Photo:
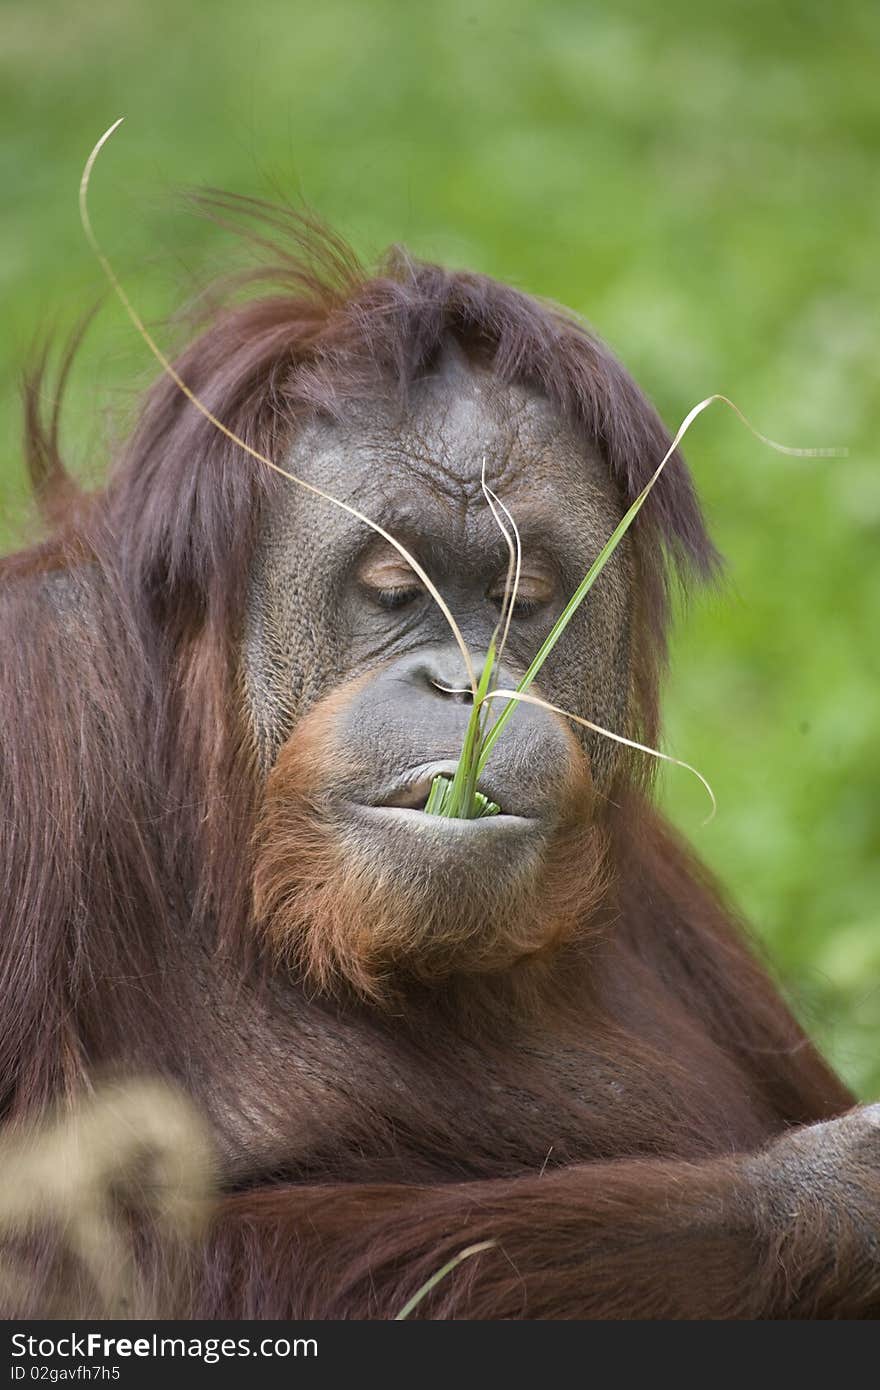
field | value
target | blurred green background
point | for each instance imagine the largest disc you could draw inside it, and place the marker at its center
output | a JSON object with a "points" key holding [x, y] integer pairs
{"points": [[701, 182]]}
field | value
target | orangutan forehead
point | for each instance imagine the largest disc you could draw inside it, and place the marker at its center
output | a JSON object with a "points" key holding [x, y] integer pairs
{"points": [[453, 422]]}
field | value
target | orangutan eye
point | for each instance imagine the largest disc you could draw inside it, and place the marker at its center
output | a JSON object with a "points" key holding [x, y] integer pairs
{"points": [[522, 607], [533, 593], [390, 599], [388, 583]]}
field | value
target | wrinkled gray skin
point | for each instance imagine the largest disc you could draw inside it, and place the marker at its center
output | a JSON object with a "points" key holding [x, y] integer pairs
{"points": [[311, 625]]}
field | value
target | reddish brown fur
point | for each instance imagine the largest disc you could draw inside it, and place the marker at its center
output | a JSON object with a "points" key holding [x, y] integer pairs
{"points": [[655, 1050]]}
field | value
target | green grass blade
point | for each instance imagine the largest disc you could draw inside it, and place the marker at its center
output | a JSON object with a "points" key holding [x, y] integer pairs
{"points": [[458, 799], [565, 618]]}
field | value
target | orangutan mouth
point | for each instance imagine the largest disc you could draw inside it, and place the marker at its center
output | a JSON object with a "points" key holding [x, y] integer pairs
{"points": [[410, 791], [402, 802]]}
